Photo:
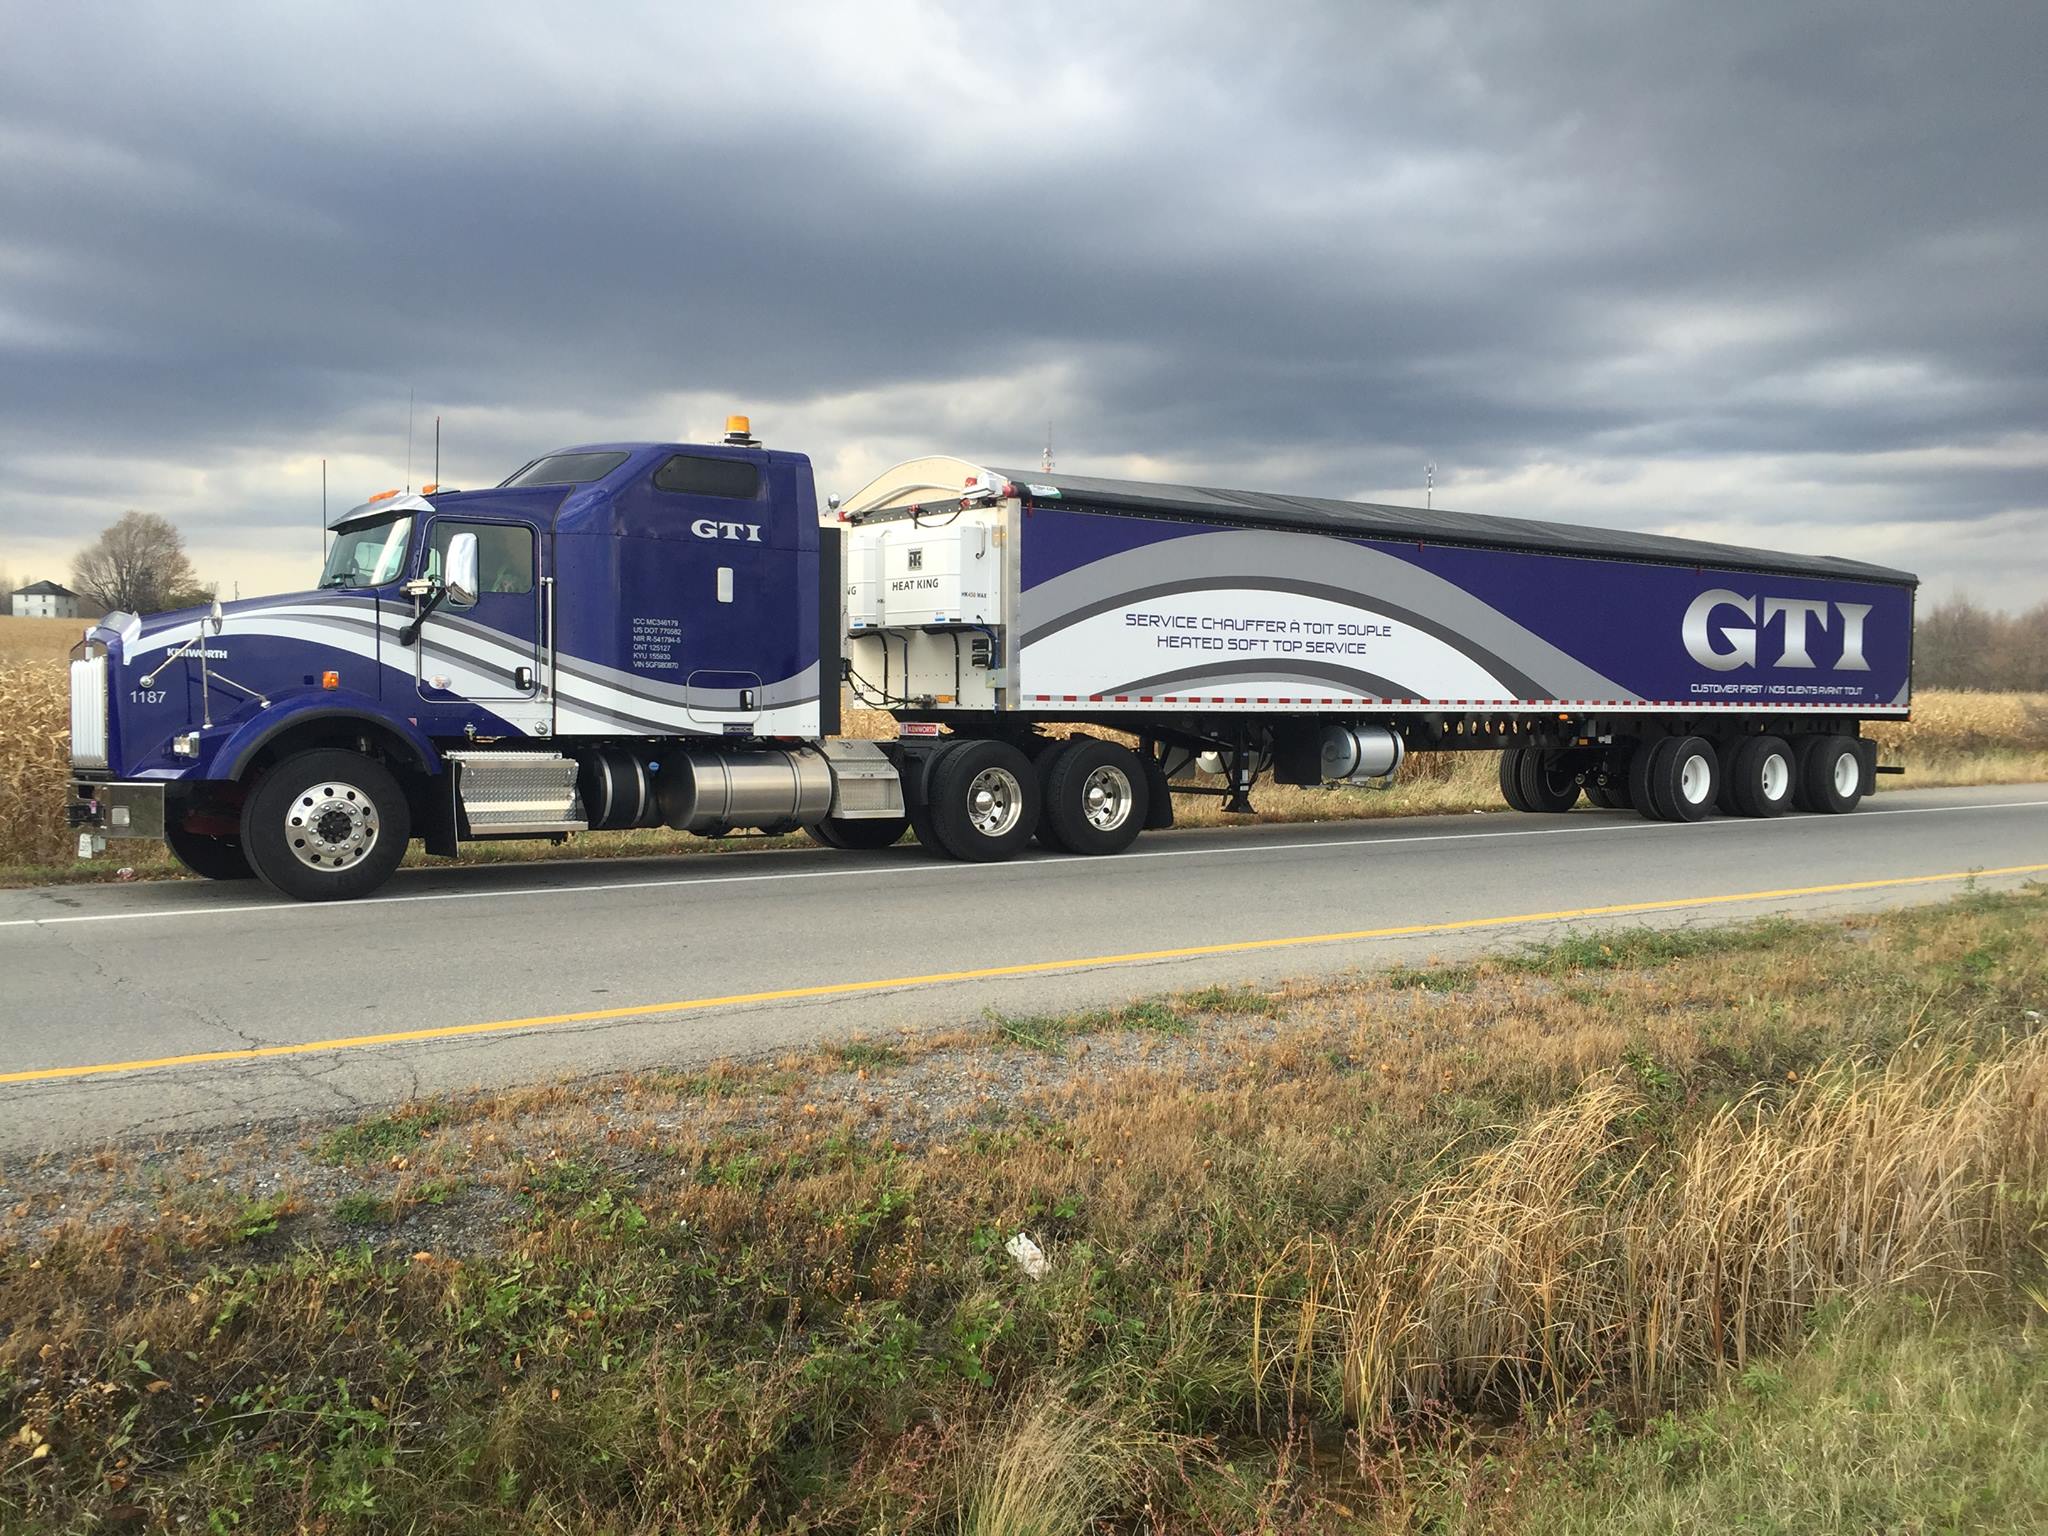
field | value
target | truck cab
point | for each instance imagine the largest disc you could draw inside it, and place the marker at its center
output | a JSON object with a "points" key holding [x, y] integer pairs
{"points": [[472, 664]]}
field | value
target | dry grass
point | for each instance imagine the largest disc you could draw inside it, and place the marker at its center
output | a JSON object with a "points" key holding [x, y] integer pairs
{"points": [[1954, 738], [1572, 1183], [1568, 1259]]}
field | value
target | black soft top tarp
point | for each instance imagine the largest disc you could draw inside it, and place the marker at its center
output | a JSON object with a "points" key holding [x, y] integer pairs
{"points": [[1361, 519]]}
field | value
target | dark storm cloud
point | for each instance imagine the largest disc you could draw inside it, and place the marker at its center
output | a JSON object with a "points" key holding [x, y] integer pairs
{"points": [[1318, 245]]}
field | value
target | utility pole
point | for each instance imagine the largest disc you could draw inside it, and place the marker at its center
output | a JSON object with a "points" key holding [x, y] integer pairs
{"points": [[1045, 460], [1429, 484]]}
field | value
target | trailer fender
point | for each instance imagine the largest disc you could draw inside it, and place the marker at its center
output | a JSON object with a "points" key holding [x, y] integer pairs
{"points": [[337, 712]]}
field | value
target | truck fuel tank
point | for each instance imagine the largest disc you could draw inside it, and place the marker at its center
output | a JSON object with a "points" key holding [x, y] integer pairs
{"points": [[709, 792]]}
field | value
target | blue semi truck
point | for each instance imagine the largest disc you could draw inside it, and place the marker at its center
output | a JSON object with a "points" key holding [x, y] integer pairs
{"points": [[654, 634]]}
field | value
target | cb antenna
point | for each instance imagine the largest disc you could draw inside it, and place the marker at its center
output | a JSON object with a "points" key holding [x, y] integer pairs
{"points": [[1429, 484], [1045, 461], [408, 439]]}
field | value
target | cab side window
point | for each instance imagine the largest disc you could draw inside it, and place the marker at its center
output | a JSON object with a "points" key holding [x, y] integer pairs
{"points": [[504, 555], [690, 474]]}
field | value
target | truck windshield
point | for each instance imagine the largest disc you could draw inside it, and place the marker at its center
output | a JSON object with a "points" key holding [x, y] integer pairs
{"points": [[368, 553]]}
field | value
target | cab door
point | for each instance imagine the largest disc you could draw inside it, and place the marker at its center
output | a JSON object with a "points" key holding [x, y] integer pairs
{"points": [[488, 651]]}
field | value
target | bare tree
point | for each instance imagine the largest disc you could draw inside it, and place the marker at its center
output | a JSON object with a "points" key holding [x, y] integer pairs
{"points": [[1959, 644], [139, 565]]}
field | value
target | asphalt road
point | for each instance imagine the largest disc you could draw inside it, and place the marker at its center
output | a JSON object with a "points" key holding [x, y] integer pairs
{"points": [[516, 974]]}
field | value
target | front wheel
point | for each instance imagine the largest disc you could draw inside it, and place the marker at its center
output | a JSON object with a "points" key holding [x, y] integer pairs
{"points": [[328, 825], [864, 834], [210, 858]]}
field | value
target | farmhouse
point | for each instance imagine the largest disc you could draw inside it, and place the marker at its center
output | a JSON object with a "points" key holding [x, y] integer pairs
{"points": [[43, 600]]}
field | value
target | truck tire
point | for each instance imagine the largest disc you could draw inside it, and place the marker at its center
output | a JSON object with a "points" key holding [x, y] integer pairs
{"points": [[1095, 797], [917, 789], [1640, 762], [863, 835], [1760, 781], [1835, 775], [1726, 750], [327, 825], [1607, 786], [210, 858], [1683, 775], [983, 803], [1548, 782], [1511, 778]]}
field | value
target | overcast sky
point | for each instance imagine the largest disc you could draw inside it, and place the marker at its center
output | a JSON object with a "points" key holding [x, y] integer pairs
{"points": [[1767, 272]]}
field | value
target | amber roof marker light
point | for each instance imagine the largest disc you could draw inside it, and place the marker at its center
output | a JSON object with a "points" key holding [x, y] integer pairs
{"points": [[739, 432]]}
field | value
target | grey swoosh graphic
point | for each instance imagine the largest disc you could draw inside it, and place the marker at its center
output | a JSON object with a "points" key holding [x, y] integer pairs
{"points": [[1351, 680], [1526, 686], [1362, 575]]}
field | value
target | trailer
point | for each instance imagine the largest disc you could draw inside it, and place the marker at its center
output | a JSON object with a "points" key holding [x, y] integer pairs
{"points": [[640, 634]]}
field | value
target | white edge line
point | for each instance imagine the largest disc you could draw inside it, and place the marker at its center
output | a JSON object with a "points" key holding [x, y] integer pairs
{"points": [[869, 871]]}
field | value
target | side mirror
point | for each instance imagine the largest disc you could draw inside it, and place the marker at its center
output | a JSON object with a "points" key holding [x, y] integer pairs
{"points": [[459, 574], [215, 617]]}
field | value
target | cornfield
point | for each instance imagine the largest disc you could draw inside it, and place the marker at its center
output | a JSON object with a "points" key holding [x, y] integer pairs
{"points": [[35, 761], [1954, 737]]}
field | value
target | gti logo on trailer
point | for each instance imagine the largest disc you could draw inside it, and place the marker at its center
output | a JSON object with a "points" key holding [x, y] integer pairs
{"points": [[1798, 613], [746, 533]]}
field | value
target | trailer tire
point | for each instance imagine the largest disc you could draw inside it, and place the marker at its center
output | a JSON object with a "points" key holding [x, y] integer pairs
{"points": [[984, 801], [1835, 775], [1511, 778], [1726, 750], [1548, 783], [327, 825], [1607, 787], [1640, 762], [1761, 779], [1683, 776], [210, 858], [864, 835], [1095, 797]]}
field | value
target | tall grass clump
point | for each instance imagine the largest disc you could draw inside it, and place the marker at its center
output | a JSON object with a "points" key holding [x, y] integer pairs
{"points": [[1574, 1259]]}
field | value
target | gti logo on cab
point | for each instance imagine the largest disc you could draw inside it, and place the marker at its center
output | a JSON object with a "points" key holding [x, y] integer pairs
{"points": [[1797, 613], [707, 528]]}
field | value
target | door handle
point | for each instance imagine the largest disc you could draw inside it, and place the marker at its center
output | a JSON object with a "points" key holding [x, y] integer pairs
{"points": [[523, 677]]}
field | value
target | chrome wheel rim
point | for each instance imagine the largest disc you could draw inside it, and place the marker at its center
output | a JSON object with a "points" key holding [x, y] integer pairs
{"points": [[1848, 773], [1777, 776], [1696, 779], [1106, 798], [995, 800], [331, 826]]}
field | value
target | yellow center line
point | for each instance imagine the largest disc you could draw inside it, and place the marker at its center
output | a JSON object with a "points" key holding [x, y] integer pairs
{"points": [[992, 972]]}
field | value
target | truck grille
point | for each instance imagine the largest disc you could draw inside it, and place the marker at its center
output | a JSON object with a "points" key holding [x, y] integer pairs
{"points": [[89, 712]]}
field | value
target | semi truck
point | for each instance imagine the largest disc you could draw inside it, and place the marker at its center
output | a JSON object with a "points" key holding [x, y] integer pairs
{"points": [[628, 635]]}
